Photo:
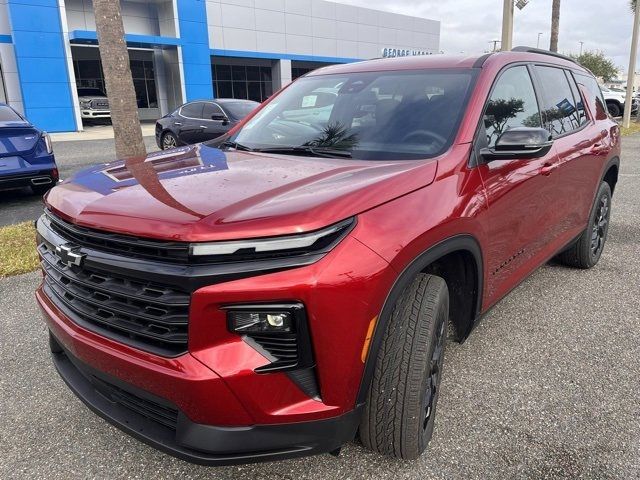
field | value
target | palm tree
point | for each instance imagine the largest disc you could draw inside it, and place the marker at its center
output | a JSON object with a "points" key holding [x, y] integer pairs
{"points": [[555, 25], [118, 80]]}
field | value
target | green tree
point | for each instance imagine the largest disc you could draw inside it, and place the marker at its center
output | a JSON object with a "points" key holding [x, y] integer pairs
{"points": [[598, 63]]}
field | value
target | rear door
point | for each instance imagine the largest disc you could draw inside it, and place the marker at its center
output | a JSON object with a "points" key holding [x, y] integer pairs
{"points": [[519, 192], [189, 121], [580, 142]]}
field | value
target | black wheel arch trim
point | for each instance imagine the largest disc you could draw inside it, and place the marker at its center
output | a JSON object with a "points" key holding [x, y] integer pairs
{"points": [[462, 242], [612, 162]]}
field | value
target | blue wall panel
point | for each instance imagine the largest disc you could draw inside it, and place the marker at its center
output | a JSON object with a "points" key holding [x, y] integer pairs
{"points": [[196, 56], [42, 64]]}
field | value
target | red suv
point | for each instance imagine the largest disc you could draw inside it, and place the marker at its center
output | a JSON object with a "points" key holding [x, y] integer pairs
{"points": [[292, 286]]}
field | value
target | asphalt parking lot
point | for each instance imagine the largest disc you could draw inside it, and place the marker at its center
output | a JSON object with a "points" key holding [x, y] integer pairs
{"points": [[548, 386]]}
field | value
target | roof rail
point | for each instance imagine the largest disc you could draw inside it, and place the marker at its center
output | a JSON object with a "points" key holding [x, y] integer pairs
{"points": [[544, 52]]}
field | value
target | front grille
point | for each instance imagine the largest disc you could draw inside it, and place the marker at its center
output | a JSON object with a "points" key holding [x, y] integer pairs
{"points": [[149, 409], [173, 252], [100, 104], [142, 314]]}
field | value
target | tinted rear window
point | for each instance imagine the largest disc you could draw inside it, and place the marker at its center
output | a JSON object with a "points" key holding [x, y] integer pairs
{"points": [[192, 110], [7, 114]]}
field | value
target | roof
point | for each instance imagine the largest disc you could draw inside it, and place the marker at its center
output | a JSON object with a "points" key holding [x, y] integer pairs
{"points": [[450, 61]]}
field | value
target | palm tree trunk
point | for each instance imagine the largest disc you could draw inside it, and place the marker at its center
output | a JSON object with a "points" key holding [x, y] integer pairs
{"points": [[555, 25], [118, 80]]}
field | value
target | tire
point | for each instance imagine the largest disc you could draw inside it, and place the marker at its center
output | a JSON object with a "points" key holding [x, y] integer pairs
{"points": [[168, 140], [586, 252], [399, 413], [614, 109]]}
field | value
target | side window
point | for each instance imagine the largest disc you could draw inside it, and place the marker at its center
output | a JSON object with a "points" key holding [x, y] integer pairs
{"points": [[559, 112], [192, 110], [580, 109], [596, 101], [211, 109], [512, 104]]}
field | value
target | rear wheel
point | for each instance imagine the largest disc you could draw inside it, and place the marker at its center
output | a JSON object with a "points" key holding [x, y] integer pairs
{"points": [[399, 415], [168, 141], [586, 252]]}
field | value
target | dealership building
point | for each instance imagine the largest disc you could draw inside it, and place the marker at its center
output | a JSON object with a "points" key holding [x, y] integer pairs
{"points": [[183, 50]]}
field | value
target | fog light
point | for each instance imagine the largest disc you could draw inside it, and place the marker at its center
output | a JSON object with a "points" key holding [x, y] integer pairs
{"points": [[259, 322]]}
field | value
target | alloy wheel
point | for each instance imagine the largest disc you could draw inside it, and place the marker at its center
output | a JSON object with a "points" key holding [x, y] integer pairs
{"points": [[599, 227]]}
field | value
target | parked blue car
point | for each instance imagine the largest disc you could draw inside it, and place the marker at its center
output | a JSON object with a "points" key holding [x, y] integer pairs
{"points": [[26, 154]]}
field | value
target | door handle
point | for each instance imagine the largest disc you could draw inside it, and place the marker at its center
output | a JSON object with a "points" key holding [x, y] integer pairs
{"points": [[177, 123], [547, 168], [599, 149], [203, 126]]}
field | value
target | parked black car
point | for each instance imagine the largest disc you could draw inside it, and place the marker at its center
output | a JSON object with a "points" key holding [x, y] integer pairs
{"points": [[200, 121]]}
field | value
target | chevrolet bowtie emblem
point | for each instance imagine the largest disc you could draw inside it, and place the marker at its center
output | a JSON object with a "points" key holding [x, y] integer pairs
{"points": [[69, 255]]}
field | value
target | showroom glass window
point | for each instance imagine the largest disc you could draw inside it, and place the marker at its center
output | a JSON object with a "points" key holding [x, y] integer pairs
{"points": [[89, 74], [560, 113], [242, 81], [144, 83], [512, 104]]}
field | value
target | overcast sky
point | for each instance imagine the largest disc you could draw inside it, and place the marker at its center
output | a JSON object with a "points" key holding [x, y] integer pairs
{"points": [[468, 25]]}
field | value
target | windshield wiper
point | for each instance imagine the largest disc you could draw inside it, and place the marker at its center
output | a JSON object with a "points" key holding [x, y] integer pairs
{"points": [[236, 146], [307, 150]]}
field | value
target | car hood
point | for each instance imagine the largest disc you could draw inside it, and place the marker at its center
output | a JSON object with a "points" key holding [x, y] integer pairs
{"points": [[199, 193]]}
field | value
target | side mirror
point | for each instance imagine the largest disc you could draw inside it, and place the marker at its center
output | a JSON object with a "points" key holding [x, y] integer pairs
{"points": [[519, 143], [220, 117]]}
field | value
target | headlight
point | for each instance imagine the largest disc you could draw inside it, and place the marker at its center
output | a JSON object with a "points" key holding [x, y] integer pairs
{"points": [[47, 142], [85, 103], [312, 242]]}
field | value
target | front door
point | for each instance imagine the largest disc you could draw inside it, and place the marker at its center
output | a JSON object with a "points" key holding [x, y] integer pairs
{"points": [[212, 128], [520, 193]]}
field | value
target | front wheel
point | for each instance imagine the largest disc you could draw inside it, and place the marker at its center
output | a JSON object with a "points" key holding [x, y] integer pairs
{"points": [[586, 252], [399, 414], [168, 141]]}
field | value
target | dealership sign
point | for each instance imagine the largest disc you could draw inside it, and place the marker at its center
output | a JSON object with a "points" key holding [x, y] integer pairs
{"points": [[402, 52]]}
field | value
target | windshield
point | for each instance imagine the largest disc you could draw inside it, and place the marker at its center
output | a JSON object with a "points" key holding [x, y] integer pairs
{"points": [[239, 110], [90, 92], [372, 115]]}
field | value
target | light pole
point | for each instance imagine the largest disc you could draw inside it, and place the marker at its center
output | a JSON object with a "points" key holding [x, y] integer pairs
{"points": [[538, 42], [495, 45], [507, 25], [507, 22], [626, 119], [581, 44]]}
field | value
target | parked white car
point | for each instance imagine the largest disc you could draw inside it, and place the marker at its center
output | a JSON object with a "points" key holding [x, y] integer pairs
{"points": [[615, 99]]}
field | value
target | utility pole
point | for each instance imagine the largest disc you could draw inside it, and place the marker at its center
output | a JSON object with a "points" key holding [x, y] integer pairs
{"points": [[118, 80], [495, 45], [538, 42], [581, 44], [555, 25], [507, 25], [626, 119]]}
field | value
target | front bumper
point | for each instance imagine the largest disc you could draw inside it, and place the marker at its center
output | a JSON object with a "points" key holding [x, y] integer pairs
{"points": [[158, 423], [89, 114]]}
